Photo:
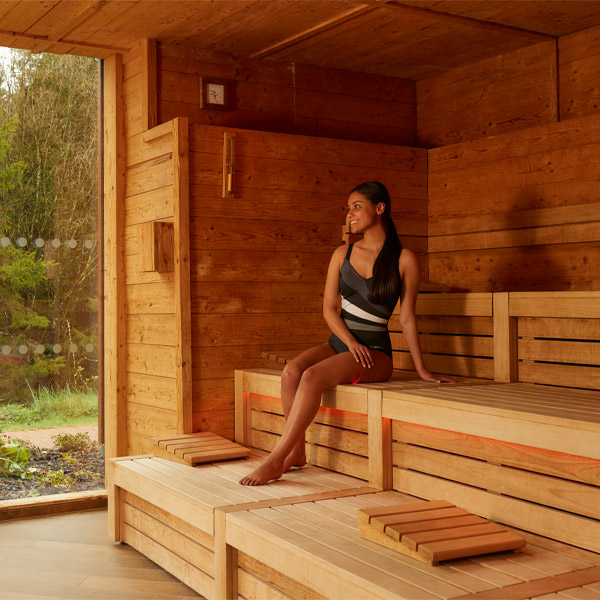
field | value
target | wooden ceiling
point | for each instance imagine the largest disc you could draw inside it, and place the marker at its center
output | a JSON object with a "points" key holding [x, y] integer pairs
{"points": [[409, 39]]}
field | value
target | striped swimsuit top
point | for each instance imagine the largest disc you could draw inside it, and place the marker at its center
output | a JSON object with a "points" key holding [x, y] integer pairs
{"points": [[367, 322]]}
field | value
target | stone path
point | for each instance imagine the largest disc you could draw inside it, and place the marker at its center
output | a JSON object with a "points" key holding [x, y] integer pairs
{"points": [[43, 437]]}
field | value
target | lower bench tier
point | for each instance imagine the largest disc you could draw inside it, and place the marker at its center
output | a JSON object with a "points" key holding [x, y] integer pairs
{"points": [[299, 538]]}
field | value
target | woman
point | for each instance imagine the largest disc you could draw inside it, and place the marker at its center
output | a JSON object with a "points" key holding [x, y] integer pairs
{"points": [[370, 275]]}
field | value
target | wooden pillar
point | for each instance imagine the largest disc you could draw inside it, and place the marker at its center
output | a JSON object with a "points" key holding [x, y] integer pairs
{"points": [[505, 339], [149, 90], [114, 260], [380, 443], [183, 308]]}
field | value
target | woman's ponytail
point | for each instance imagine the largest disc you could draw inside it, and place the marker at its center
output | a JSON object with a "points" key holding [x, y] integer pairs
{"points": [[385, 285]]}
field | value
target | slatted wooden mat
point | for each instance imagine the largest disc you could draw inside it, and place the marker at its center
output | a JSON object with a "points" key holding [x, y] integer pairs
{"points": [[434, 531], [197, 448]]}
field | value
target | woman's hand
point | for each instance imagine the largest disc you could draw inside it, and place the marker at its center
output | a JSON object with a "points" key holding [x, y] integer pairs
{"points": [[362, 354], [427, 376]]}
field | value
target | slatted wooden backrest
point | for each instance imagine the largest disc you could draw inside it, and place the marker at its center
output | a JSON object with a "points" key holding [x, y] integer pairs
{"points": [[456, 334], [557, 337]]}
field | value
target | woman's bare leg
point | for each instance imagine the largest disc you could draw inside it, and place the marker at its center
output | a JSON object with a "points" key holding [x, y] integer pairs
{"points": [[290, 380], [340, 368]]}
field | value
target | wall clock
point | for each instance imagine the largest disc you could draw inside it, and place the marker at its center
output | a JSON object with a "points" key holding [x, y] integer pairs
{"points": [[215, 93]]}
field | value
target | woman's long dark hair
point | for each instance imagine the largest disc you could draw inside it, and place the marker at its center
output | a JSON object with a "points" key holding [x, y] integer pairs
{"points": [[385, 286]]}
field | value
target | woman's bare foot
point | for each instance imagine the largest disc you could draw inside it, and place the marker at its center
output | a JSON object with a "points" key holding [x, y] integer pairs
{"points": [[296, 458], [265, 473]]}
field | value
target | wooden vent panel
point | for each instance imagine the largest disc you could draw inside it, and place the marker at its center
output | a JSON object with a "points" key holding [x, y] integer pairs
{"points": [[434, 531]]}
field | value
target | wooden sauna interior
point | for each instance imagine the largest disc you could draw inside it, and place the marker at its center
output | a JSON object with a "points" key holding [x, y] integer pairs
{"points": [[492, 167], [482, 118]]}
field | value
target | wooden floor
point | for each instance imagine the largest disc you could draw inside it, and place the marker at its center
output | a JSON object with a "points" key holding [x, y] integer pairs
{"points": [[69, 557]]}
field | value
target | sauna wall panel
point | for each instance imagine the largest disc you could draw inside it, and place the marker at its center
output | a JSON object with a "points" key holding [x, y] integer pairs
{"points": [[286, 97], [518, 211], [151, 346], [259, 260], [503, 94], [579, 69]]}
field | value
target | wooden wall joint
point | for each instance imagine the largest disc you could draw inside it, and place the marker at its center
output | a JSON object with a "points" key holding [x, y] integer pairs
{"points": [[183, 300]]}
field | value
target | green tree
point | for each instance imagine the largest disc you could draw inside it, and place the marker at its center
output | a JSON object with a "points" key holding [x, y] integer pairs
{"points": [[48, 202]]}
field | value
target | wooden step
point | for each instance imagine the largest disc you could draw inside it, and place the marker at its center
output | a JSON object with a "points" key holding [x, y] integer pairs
{"points": [[197, 448], [433, 531]]}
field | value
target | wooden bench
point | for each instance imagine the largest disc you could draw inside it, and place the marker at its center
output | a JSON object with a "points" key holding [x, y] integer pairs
{"points": [[174, 513], [526, 455], [313, 550], [515, 452], [347, 433]]}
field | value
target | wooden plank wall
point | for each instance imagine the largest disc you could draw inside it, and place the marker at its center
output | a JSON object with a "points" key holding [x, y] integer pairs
{"points": [[519, 210], [259, 260], [502, 94], [156, 189], [579, 71], [532, 86], [286, 97]]}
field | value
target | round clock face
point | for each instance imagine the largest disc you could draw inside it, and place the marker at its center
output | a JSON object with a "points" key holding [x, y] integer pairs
{"points": [[215, 93]]}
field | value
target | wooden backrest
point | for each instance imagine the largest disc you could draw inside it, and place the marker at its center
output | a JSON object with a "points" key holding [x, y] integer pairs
{"points": [[456, 334], [556, 337]]}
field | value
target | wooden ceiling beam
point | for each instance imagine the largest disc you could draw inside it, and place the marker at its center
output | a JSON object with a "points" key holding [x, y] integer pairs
{"points": [[355, 12], [470, 21], [30, 39]]}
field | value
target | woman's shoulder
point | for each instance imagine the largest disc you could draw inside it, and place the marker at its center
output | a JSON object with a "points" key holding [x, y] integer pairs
{"points": [[407, 260], [340, 252]]}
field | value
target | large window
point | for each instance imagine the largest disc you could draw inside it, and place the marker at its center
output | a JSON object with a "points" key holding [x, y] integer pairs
{"points": [[48, 251]]}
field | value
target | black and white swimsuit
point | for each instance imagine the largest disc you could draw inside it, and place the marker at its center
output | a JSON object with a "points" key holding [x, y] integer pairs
{"points": [[367, 322]]}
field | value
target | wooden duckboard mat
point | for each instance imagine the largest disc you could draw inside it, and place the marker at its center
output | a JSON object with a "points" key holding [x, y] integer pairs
{"points": [[434, 531], [198, 448]]}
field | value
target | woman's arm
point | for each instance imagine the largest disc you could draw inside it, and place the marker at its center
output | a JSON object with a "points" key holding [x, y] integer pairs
{"points": [[408, 265], [331, 296]]}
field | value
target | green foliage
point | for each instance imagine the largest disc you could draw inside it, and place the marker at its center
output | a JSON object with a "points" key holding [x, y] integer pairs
{"points": [[72, 442], [14, 458], [48, 190], [55, 479], [50, 408], [12, 173], [21, 271]]}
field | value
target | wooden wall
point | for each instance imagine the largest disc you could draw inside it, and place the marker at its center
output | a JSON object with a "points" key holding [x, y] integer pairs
{"points": [[532, 86], [508, 202], [499, 95], [289, 98], [259, 260], [579, 70], [155, 384], [513, 170], [518, 212]]}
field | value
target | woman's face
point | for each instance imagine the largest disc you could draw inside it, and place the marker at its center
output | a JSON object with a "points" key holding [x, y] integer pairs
{"points": [[362, 214]]}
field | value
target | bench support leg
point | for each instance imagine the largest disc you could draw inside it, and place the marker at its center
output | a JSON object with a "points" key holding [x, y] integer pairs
{"points": [[226, 564], [115, 505], [380, 443]]}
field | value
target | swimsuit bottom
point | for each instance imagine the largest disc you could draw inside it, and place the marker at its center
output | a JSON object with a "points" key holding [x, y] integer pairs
{"points": [[373, 340]]}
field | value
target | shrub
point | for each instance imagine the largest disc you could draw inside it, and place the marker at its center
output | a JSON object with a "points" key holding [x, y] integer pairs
{"points": [[14, 458], [72, 442]]}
